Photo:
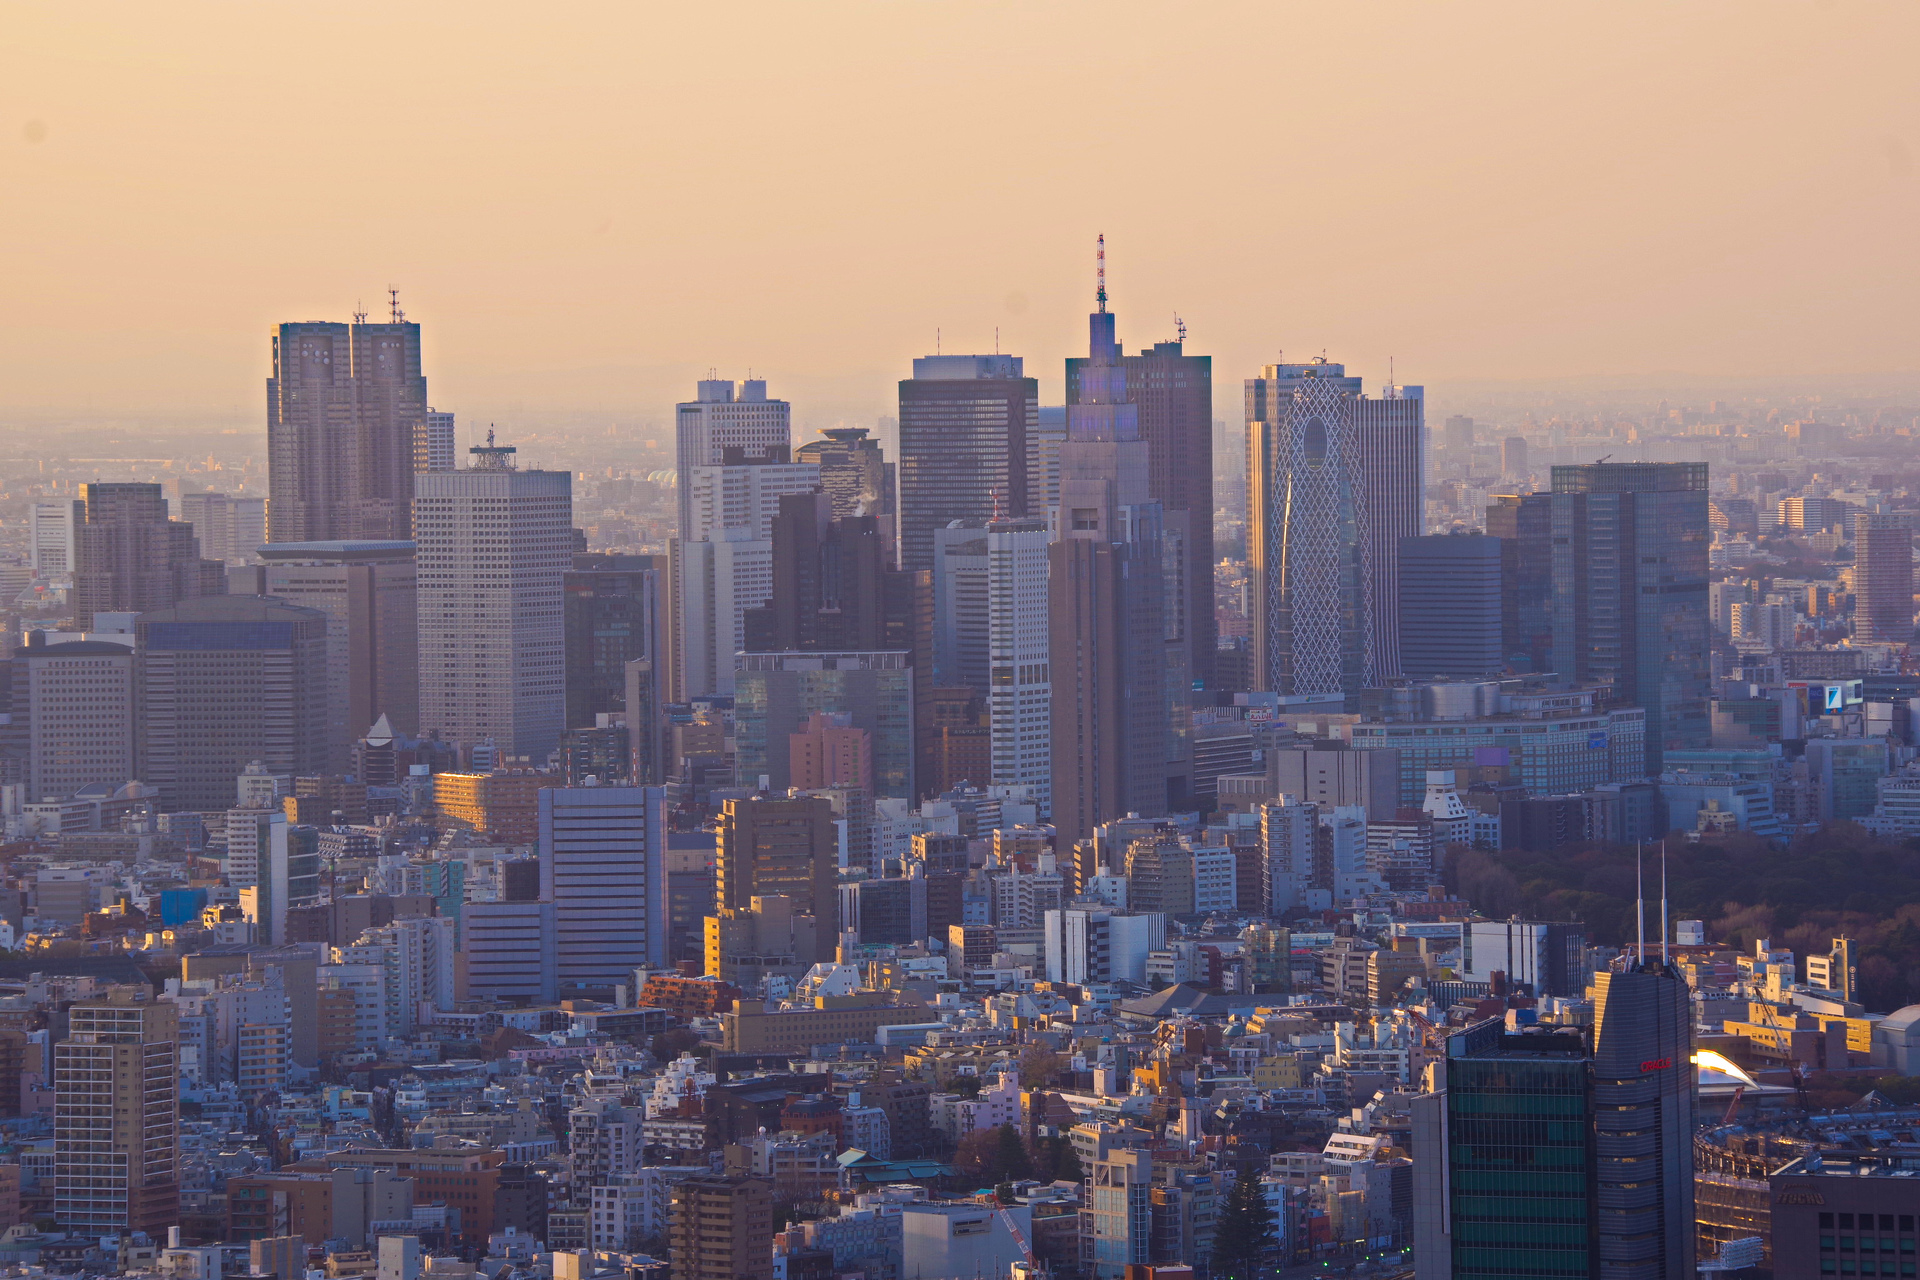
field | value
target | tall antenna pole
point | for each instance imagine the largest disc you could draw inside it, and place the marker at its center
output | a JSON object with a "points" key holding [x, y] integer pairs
{"points": [[1639, 905], [1100, 272], [1664, 956]]}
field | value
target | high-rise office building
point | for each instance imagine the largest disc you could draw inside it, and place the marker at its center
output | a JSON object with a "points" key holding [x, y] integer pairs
{"points": [[775, 694], [493, 547], [1115, 677], [223, 681], [718, 419], [1883, 579], [830, 588], [722, 1228], [369, 594], [346, 420], [603, 867], [1019, 659], [787, 847], [1504, 1149], [50, 528], [1513, 456], [436, 450], [1644, 1107], [856, 478], [612, 619], [73, 713], [1450, 606], [1172, 394], [1521, 523], [1334, 482], [116, 1122], [230, 527], [959, 579], [964, 422], [722, 564], [129, 557], [1625, 544]]}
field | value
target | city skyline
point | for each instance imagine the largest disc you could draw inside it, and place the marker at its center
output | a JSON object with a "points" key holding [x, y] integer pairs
{"points": [[1526, 230]]}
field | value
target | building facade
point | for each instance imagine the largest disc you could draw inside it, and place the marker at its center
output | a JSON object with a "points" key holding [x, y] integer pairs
{"points": [[346, 413], [128, 557], [116, 1136], [73, 711], [964, 423], [493, 547]]}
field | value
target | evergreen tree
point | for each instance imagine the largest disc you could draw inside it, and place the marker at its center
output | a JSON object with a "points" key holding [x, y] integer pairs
{"points": [[1011, 1163], [1244, 1233]]}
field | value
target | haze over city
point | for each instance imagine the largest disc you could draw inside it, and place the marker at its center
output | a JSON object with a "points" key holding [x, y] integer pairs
{"points": [[593, 205]]}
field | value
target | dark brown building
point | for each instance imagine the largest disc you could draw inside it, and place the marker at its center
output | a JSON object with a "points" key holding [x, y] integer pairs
{"points": [[722, 1228], [787, 847], [130, 558]]}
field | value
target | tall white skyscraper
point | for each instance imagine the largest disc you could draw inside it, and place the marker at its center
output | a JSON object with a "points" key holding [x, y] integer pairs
{"points": [[1020, 689], [50, 537], [1334, 482], [716, 420], [724, 565], [493, 546], [434, 451]]}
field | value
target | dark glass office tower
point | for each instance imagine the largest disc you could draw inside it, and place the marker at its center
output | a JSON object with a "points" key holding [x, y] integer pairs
{"points": [[1523, 522], [832, 588], [346, 412], [1172, 392], [1643, 1123], [1450, 606], [964, 422], [612, 607], [1504, 1159], [1626, 543], [855, 476], [130, 558]]}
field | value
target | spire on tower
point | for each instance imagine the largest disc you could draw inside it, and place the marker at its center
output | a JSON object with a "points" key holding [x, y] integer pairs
{"points": [[1100, 272]]}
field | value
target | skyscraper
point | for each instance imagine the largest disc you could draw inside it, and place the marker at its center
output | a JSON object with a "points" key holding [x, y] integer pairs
{"points": [[116, 1124], [1504, 1149], [721, 565], [786, 847], [50, 528], [369, 594], [964, 422], [436, 451], [346, 419], [1644, 1108], [129, 557], [603, 867], [959, 580], [1625, 545], [856, 478], [1114, 675], [1172, 394], [73, 711], [1883, 579], [1523, 524], [716, 420], [224, 681], [1019, 659], [775, 694], [1450, 606], [494, 544], [1334, 482], [831, 588], [612, 618]]}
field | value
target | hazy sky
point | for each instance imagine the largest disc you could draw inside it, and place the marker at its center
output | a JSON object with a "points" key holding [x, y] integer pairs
{"points": [[586, 205]]}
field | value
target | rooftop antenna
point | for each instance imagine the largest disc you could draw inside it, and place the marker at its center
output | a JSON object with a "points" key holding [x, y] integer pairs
{"points": [[489, 435], [1179, 328], [1639, 905], [996, 339], [1100, 272], [936, 340], [393, 305], [1665, 958], [359, 312]]}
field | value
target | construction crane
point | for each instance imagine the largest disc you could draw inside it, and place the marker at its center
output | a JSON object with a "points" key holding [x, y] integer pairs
{"points": [[1019, 1237]]}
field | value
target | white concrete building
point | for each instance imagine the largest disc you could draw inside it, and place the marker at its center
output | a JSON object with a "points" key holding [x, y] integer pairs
{"points": [[50, 538], [492, 546], [74, 702], [718, 418], [1020, 688]]}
